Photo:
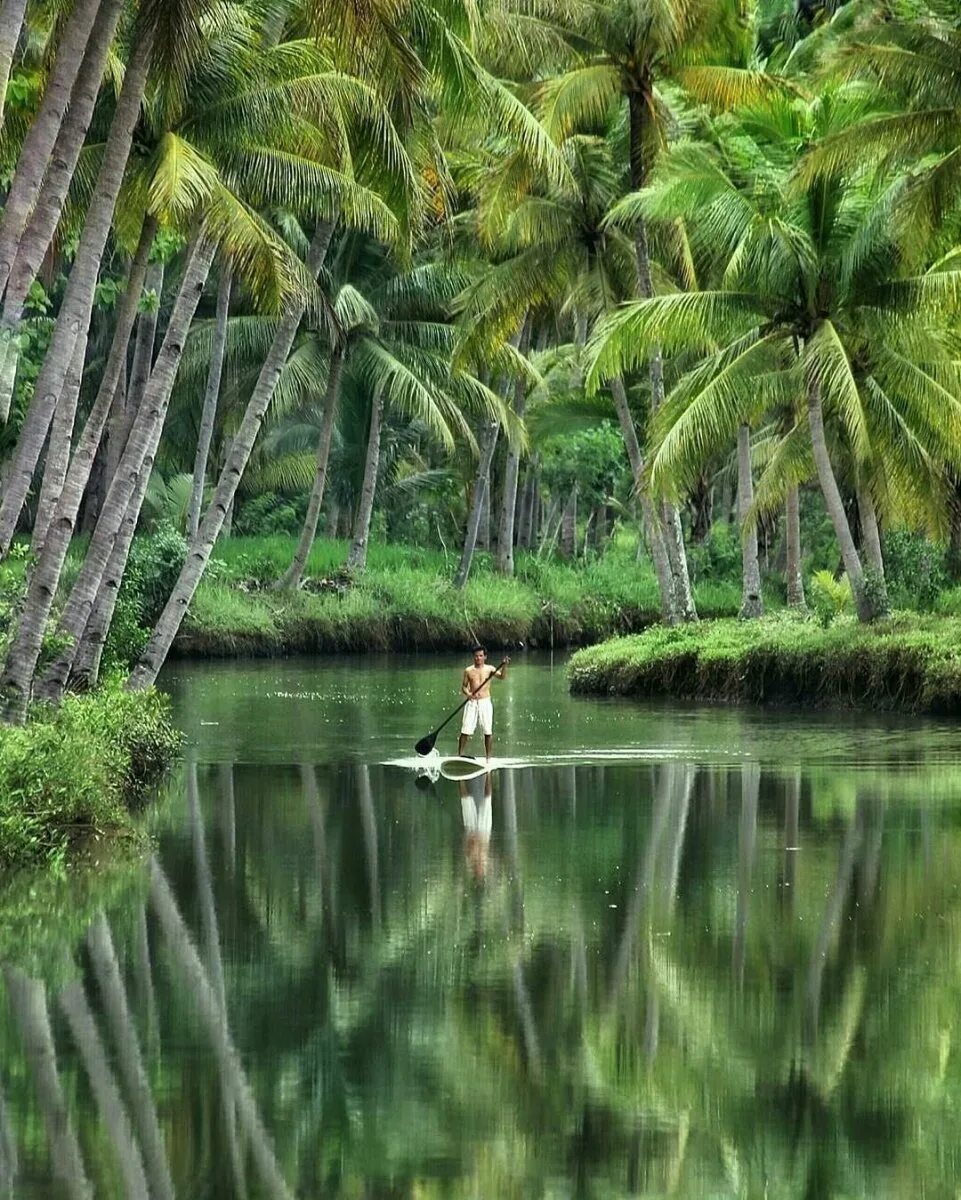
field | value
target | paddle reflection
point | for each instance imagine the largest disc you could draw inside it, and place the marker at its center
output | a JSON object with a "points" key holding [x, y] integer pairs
{"points": [[575, 981]]}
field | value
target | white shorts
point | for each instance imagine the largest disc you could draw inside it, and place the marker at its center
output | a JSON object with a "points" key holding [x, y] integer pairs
{"points": [[478, 711]]}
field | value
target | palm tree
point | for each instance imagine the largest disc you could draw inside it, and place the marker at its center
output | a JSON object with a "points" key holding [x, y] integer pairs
{"points": [[211, 395], [818, 308]]}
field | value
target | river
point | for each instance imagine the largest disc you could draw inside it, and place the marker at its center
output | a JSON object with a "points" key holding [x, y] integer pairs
{"points": [[681, 950]]}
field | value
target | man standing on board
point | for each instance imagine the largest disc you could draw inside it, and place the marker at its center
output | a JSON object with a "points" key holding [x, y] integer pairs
{"points": [[479, 709]]}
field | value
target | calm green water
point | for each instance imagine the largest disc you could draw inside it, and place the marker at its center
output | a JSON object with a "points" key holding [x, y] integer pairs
{"points": [[688, 951]]}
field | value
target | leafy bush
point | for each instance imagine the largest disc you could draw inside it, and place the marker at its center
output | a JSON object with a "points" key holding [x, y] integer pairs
{"points": [[718, 557], [154, 564], [76, 769], [915, 570], [270, 514], [830, 597]]}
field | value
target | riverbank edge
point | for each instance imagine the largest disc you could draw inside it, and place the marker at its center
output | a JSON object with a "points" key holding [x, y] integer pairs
{"points": [[907, 664], [81, 771]]}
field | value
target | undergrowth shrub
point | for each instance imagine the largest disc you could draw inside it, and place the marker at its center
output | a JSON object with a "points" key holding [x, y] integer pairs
{"points": [[76, 769], [830, 598]]}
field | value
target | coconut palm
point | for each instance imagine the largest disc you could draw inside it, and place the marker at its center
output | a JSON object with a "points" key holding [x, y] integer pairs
{"points": [[818, 306]]}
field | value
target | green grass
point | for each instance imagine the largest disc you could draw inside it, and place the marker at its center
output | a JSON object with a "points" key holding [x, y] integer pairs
{"points": [[908, 663], [405, 600], [75, 771]]}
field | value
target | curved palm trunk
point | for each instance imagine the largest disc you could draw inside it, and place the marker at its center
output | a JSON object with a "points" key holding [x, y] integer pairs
{"points": [[44, 579], [136, 461], [357, 558], [28, 1002], [835, 506], [143, 356], [504, 559], [795, 583], [75, 1007], [294, 574], [85, 670], [481, 485], [653, 533], [870, 532], [236, 1086], [751, 603], [59, 446], [34, 158], [208, 416], [239, 455], [130, 1058], [73, 321], [684, 608], [43, 222], [11, 24]]}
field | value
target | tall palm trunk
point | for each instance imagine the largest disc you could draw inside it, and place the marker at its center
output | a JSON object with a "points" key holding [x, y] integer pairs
{"points": [[43, 222], [11, 24], [110, 448], [28, 1002], [59, 445], [76, 1008], [235, 1082], [870, 533], [294, 574], [866, 608], [792, 523], [569, 526], [683, 606], [241, 447], [130, 1058], [208, 416], [73, 321], [44, 579], [137, 459], [34, 158], [357, 558], [751, 603], [481, 485], [653, 534], [504, 559]]}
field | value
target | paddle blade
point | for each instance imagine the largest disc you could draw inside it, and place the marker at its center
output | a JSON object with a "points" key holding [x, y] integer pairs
{"points": [[426, 744]]}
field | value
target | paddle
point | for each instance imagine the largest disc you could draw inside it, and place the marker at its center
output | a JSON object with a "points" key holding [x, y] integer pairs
{"points": [[427, 743]]}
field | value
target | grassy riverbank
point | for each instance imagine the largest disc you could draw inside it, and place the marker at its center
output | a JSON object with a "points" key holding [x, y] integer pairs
{"points": [[77, 772], [405, 601], [910, 663]]}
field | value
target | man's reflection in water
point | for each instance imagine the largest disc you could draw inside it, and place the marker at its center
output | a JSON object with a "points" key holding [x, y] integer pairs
{"points": [[477, 813]]}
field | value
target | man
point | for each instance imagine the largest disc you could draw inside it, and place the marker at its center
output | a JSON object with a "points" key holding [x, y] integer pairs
{"points": [[479, 708]]}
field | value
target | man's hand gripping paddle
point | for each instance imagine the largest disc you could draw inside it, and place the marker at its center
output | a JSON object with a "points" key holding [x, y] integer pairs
{"points": [[427, 743]]}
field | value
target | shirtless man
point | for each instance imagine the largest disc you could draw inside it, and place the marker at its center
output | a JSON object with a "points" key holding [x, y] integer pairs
{"points": [[479, 709]]}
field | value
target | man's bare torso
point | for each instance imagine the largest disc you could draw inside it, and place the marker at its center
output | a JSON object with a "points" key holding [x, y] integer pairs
{"points": [[475, 676]]}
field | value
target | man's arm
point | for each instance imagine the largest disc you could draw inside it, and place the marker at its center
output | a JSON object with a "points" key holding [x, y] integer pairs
{"points": [[465, 685], [501, 671]]}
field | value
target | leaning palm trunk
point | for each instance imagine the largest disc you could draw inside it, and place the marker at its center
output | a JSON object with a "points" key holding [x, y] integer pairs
{"points": [[34, 159], [85, 669], [73, 321], [214, 1019], [209, 414], [870, 533], [866, 608], [357, 557], [504, 559], [481, 486], [83, 1027], [45, 577], [42, 224], [220, 505], [130, 1058], [59, 446], [751, 603], [653, 534], [792, 570], [28, 1002], [293, 576], [137, 460], [11, 23]]}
